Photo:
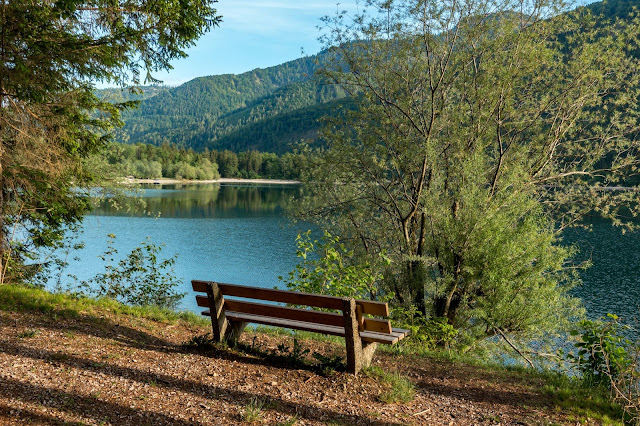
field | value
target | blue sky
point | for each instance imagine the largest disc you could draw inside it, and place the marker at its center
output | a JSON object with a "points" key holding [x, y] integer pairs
{"points": [[257, 34], [254, 34]]}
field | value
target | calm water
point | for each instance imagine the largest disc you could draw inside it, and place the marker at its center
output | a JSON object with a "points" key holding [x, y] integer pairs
{"points": [[612, 284], [236, 234], [240, 234]]}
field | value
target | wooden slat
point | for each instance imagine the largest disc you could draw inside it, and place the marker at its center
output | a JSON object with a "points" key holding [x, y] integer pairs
{"points": [[400, 332], [370, 324], [377, 325], [294, 298], [279, 322], [305, 315], [202, 301], [366, 336], [373, 337]]}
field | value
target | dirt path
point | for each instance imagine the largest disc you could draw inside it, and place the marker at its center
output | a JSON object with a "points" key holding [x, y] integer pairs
{"points": [[123, 370]]}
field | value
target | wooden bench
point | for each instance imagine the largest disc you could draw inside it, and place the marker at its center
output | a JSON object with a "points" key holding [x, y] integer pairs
{"points": [[362, 334]]}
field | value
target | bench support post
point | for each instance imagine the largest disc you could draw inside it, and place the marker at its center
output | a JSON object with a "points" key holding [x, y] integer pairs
{"points": [[219, 322], [234, 330], [359, 354]]}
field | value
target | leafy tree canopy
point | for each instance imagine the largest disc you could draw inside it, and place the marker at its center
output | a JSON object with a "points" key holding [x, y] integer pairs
{"points": [[482, 129], [51, 55]]}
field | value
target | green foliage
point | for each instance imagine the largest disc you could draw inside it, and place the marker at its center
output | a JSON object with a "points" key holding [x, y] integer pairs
{"points": [[50, 118], [264, 109], [428, 333], [146, 161], [253, 410], [480, 131], [296, 354], [327, 268], [201, 342], [21, 298], [329, 364], [141, 278], [27, 334], [602, 350]]}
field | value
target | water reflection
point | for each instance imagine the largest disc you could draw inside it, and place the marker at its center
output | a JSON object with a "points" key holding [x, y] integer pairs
{"points": [[234, 233], [208, 201]]}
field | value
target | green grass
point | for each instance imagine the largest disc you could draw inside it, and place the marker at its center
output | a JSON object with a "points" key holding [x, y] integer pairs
{"points": [[253, 411], [400, 389], [25, 299], [28, 334], [582, 401]]}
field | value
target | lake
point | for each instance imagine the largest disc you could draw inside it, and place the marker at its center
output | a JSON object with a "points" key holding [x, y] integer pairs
{"points": [[240, 234], [227, 233]]}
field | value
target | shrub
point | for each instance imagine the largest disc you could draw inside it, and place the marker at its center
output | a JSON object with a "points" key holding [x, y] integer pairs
{"points": [[327, 267], [141, 278], [602, 350]]}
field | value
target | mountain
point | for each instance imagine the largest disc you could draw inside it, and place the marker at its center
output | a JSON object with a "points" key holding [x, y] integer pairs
{"points": [[267, 110], [264, 109]]}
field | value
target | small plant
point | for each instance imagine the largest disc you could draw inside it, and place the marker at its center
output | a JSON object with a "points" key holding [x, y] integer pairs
{"points": [[602, 350], [295, 355], [292, 421], [253, 410], [141, 278], [204, 342], [329, 364], [400, 389], [27, 334]]}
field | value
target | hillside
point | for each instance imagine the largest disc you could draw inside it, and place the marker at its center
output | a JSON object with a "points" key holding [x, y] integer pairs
{"points": [[67, 361], [267, 110], [281, 104]]}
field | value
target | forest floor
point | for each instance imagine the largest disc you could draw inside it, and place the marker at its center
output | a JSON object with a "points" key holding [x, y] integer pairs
{"points": [[101, 367]]}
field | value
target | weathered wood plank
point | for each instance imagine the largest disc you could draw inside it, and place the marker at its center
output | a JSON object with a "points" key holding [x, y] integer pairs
{"points": [[366, 336], [306, 315], [370, 324], [294, 298]]}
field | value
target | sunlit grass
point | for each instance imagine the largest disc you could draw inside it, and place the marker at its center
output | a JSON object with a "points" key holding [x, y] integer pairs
{"points": [[24, 299]]}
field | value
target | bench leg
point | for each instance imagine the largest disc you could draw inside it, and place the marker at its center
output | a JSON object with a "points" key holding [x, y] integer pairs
{"points": [[358, 355], [367, 353], [234, 330], [219, 322]]}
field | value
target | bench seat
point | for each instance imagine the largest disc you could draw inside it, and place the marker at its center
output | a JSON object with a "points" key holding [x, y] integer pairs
{"points": [[396, 335]]}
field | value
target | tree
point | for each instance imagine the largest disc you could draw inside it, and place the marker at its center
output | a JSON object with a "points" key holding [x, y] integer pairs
{"points": [[51, 56], [482, 129]]}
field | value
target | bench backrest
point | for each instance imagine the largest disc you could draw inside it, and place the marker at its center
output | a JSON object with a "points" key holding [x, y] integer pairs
{"points": [[296, 298]]}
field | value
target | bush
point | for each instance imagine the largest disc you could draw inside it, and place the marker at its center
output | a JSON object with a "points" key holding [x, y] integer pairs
{"points": [[606, 357], [141, 278], [327, 267], [602, 350], [430, 333]]}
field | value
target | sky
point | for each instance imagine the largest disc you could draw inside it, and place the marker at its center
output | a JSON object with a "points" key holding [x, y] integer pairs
{"points": [[254, 34], [257, 34]]}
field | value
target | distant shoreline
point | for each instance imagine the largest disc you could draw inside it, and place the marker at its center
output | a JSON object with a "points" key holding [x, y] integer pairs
{"points": [[168, 181]]}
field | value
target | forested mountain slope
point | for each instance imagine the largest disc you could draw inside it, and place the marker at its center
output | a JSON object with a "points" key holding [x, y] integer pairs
{"points": [[212, 112], [267, 109]]}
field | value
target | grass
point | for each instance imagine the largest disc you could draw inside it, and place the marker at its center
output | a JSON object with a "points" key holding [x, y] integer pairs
{"points": [[24, 299], [28, 334], [400, 389], [253, 411], [583, 401]]}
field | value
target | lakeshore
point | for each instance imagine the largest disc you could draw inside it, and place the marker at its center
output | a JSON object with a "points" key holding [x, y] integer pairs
{"points": [[168, 181]]}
